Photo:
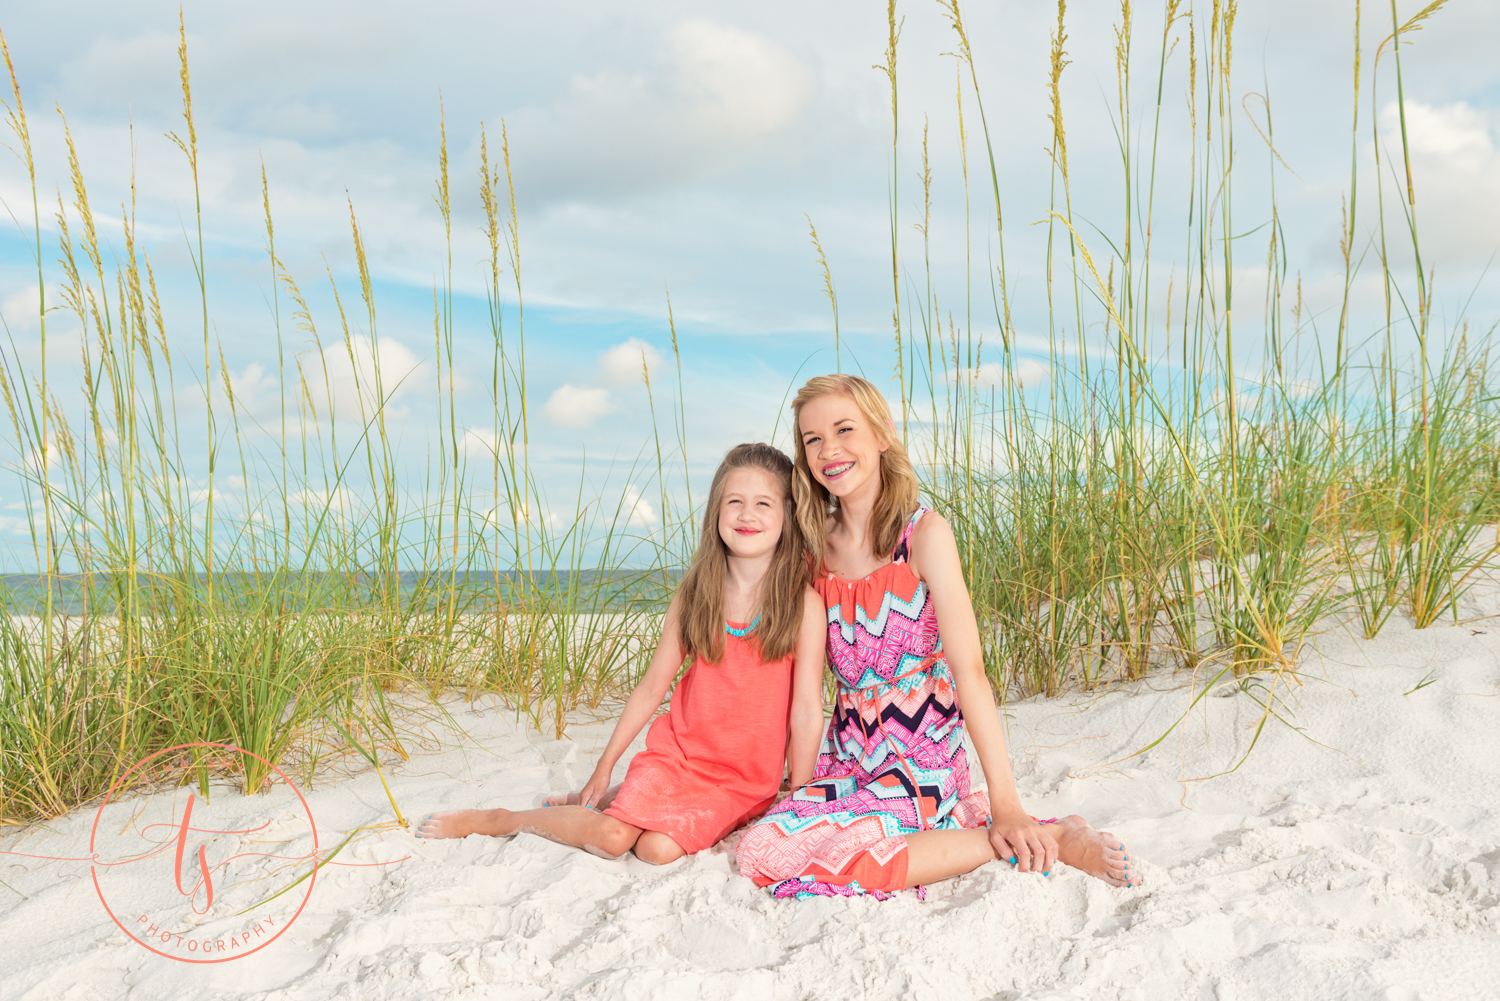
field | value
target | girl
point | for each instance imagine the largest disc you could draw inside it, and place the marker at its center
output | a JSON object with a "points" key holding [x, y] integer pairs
{"points": [[889, 806], [754, 630]]}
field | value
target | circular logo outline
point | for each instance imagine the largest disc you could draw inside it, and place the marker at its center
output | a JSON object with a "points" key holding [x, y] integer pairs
{"points": [[94, 868]]}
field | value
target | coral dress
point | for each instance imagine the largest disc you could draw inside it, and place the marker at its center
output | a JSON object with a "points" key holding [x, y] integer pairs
{"points": [[893, 760], [716, 757]]}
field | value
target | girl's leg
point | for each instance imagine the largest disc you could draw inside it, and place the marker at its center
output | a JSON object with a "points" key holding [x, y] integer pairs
{"points": [[657, 848], [935, 855], [596, 833]]}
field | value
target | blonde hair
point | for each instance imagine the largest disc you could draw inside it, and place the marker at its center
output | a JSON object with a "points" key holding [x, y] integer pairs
{"points": [[899, 489], [701, 594]]}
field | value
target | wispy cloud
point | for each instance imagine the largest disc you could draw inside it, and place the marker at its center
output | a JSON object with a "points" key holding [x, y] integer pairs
{"points": [[710, 93], [992, 375], [349, 380]]}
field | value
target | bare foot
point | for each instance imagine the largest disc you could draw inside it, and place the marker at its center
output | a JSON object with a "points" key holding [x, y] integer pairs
{"points": [[462, 823], [1097, 853]]}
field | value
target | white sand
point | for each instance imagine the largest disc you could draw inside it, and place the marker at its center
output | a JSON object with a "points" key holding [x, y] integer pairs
{"points": [[1357, 856]]}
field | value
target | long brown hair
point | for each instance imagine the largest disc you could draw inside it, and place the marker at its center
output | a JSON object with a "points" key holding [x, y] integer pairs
{"points": [[899, 489], [701, 594]]}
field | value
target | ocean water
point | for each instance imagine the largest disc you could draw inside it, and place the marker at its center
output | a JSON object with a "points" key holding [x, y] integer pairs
{"points": [[588, 590]]}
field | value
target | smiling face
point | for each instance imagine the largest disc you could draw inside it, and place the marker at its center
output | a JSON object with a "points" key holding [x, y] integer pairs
{"points": [[841, 446], [752, 512]]}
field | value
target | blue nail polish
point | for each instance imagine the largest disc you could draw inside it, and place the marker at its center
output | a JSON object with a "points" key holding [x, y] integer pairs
{"points": [[1047, 873]]}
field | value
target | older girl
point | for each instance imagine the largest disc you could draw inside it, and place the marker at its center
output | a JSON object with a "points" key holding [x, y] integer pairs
{"points": [[889, 806], [750, 702]]}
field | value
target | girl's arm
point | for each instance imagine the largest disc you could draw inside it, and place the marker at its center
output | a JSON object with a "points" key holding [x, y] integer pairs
{"points": [[807, 691], [639, 708], [1012, 831]]}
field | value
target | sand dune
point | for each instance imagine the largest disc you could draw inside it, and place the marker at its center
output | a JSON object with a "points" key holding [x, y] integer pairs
{"points": [[1356, 854]]}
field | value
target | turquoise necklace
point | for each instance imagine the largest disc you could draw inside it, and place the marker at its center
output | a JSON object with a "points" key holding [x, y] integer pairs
{"points": [[742, 632]]}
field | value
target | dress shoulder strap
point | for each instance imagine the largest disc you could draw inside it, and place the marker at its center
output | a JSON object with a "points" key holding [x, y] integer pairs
{"points": [[903, 547]]}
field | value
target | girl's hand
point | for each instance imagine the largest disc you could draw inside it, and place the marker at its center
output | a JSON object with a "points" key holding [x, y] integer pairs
{"points": [[1017, 838], [598, 784]]}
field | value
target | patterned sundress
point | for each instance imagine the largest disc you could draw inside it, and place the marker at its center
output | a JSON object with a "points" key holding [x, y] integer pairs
{"points": [[892, 761]]}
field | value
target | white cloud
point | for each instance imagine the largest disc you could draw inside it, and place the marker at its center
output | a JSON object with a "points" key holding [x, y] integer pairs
{"points": [[35, 463], [641, 514], [738, 80], [1246, 401], [1028, 372], [339, 499], [359, 375], [1456, 172], [480, 443], [1456, 132], [713, 93], [257, 391], [19, 309], [1304, 389], [572, 406], [622, 363]]}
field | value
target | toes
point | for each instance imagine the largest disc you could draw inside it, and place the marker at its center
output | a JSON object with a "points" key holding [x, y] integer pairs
{"points": [[431, 826]]}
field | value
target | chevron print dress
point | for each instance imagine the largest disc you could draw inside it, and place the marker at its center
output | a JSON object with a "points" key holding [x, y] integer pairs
{"points": [[892, 761]]}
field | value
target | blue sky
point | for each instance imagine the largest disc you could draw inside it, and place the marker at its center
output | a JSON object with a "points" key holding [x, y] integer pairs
{"points": [[673, 145]]}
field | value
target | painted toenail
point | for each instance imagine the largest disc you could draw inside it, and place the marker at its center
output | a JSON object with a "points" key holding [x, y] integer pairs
{"points": [[1012, 860], [1047, 873]]}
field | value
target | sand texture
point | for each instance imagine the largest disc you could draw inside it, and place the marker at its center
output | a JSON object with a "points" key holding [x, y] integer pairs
{"points": [[1356, 854]]}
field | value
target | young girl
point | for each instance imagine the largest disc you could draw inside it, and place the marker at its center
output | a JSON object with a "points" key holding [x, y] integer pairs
{"points": [[889, 806], [754, 630]]}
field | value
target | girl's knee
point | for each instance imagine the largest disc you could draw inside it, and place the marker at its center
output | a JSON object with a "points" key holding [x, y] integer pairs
{"points": [[657, 849], [614, 837]]}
